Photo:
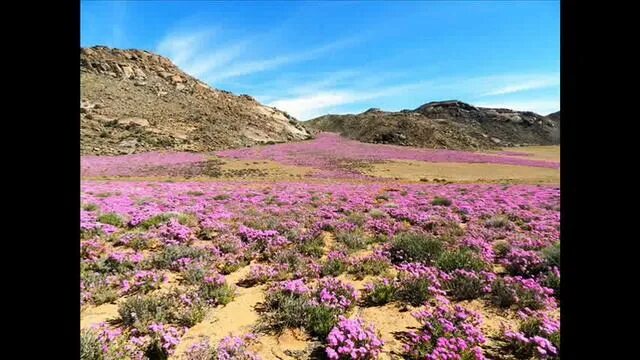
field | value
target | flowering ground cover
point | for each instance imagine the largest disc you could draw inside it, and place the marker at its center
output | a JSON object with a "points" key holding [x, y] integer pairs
{"points": [[328, 156], [229, 269]]}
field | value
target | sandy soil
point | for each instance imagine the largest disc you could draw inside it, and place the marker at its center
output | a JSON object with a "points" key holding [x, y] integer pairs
{"points": [[462, 172], [550, 153]]}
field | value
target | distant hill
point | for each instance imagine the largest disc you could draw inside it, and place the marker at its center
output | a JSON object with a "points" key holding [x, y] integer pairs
{"points": [[554, 116], [134, 101], [444, 125]]}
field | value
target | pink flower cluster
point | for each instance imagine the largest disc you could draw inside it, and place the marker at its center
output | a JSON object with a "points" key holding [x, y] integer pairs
{"points": [[528, 293], [215, 279], [260, 274], [293, 287], [523, 262], [168, 336], [535, 337], [412, 271], [448, 332], [143, 280], [235, 348], [174, 233], [91, 249], [335, 294], [352, 339], [266, 238]]}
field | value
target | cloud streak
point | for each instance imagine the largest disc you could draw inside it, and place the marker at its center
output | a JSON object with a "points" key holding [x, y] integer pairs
{"points": [[202, 54], [544, 81], [251, 67]]}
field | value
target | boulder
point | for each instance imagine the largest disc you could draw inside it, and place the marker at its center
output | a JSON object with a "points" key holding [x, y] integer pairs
{"points": [[140, 74], [127, 72], [133, 121]]}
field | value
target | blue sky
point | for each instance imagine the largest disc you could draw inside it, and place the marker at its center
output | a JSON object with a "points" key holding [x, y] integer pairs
{"points": [[313, 58]]}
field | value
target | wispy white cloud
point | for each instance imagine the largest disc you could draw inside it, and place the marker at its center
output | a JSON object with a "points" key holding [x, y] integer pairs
{"points": [[183, 47], [206, 63], [270, 63], [529, 82], [203, 54]]}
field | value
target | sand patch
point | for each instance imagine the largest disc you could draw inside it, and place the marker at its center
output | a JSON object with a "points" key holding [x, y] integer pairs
{"points": [[93, 315], [291, 344], [462, 172], [236, 318], [549, 153], [390, 322]]}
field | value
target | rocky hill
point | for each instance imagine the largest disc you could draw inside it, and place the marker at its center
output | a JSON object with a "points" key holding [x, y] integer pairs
{"points": [[444, 125], [554, 116], [134, 101]]}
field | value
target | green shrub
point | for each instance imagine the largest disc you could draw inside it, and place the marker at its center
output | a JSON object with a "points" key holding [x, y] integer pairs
{"points": [[90, 347], [313, 247], [227, 268], [552, 280], [410, 247], [217, 294], [142, 310], [368, 266], [440, 201], [169, 254], [357, 218], [104, 294], [194, 274], [464, 286], [189, 220], [377, 214], [157, 220], [415, 291], [380, 293], [497, 221], [321, 320], [464, 259], [188, 315], [290, 257], [352, 240], [111, 219], [195, 193], [333, 267], [501, 248], [502, 295], [551, 255], [221, 197], [90, 207], [284, 311]]}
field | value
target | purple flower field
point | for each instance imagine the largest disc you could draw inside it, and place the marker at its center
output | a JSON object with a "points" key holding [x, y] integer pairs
{"points": [[329, 155], [327, 148], [164, 255]]}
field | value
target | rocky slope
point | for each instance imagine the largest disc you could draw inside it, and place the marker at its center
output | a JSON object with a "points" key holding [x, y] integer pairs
{"points": [[445, 125], [134, 101], [555, 116]]}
